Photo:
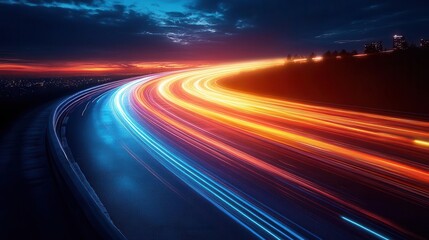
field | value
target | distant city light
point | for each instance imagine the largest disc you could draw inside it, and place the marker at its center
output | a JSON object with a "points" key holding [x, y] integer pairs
{"points": [[399, 42], [374, 47]]}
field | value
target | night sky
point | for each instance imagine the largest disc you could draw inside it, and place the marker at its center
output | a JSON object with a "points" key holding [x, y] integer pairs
{"points": [[151, 30]]}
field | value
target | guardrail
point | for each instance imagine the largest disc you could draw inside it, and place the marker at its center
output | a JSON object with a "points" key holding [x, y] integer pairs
{"points": [[92, 217]]}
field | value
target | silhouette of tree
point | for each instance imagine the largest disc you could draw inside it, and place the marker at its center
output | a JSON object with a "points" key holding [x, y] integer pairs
{"points": [[327, 55], [312, 55]]}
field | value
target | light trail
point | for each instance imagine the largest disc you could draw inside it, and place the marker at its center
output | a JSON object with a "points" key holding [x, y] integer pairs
{"points": [[236, 148], [364, 228], [422, 143]]}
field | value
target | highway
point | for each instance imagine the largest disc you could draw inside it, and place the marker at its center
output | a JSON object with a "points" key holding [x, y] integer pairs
{"points": [[179, 156]]}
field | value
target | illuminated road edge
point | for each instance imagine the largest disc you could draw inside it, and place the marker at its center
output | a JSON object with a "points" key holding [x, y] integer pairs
{"points": [[68, 171], [195, 128]]}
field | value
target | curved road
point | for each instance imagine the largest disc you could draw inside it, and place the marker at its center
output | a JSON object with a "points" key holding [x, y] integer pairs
{"points": [[178, 156]]}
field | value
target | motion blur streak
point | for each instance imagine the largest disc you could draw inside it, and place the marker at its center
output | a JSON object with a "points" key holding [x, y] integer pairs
{"points": [[364, 228], [422, 143], [259, 159]]}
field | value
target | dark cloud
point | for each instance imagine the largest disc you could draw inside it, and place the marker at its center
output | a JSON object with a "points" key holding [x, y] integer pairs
{"points": [[177, 14], [76, 2], [320, 25], [56, 33], [203, 29]]}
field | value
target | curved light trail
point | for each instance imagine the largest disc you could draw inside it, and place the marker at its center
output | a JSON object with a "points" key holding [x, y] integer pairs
{"points": [[278, 167]]}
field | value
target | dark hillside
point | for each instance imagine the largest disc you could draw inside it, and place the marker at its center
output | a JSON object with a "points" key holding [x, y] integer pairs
{"points": [[396, 82]]}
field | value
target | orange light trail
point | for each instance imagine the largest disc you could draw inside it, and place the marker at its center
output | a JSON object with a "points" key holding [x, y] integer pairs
{"points": [[94, 67], [294, 148]]}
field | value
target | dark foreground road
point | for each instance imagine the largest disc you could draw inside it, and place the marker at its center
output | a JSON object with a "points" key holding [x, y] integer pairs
{"points": [[31, 204]]}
